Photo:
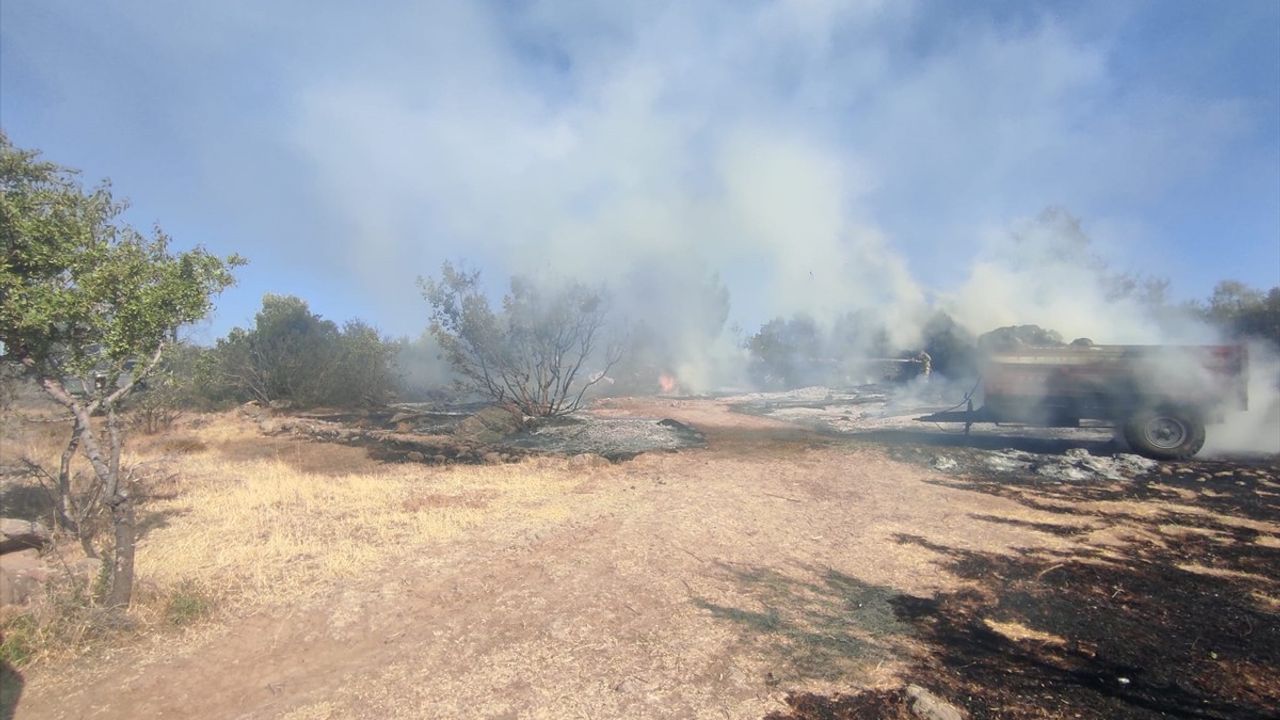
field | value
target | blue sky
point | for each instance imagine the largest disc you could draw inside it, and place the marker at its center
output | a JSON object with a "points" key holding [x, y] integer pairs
{"points": [[815, 156]]}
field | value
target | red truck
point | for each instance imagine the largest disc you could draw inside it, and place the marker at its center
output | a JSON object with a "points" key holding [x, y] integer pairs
{"points": [[1161, 396]]}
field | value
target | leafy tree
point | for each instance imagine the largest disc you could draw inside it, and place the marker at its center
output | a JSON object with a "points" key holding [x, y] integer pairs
{"points": [[1242, 311], [536, 354], [953, 349], [170, 389], [293, 355], [89, 305], [785, 353]]}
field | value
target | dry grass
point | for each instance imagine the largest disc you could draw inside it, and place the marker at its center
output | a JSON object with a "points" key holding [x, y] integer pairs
{"points": [[231, 520], [266, 530]]}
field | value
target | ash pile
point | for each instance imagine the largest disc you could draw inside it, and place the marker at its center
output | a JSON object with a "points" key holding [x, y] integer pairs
{"points": [[611, 438], [481, 433]]}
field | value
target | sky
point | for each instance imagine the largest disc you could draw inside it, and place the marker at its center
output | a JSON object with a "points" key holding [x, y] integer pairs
{"points": [[808, 155]]}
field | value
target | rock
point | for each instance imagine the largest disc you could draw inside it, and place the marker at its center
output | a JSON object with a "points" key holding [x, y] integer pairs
{"points": [[17, 534], [22, 559], [587, 460], [87, 568], [253, 409], [22, 577], [415, 456], [488, 426], [927, 706]]}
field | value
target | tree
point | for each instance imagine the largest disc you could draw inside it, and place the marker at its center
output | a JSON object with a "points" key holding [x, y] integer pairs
{"points": [[159, 400], [88, 305], [534, 355], [788, 353], [293, 355], [1242, 311]]}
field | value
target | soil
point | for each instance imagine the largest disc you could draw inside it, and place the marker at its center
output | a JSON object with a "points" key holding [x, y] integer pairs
{"points": [[779, 571]]}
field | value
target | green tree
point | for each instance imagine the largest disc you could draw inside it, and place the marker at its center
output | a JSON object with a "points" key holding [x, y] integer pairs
{"points": [[88, 305], [293, 355], [787, 353], [170, 389], [1242, 311]]}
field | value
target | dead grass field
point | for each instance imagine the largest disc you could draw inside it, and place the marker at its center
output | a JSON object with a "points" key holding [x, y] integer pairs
{"points": [[700, 584]]}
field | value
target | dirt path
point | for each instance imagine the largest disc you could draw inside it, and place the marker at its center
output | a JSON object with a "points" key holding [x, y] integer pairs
{"points": [[699, 584]]}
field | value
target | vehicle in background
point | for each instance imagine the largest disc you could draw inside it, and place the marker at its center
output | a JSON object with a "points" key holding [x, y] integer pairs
{"points": [[1160, 396]]}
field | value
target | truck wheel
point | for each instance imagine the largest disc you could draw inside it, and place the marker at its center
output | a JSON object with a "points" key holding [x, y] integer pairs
{"points": [[1165, 433]]}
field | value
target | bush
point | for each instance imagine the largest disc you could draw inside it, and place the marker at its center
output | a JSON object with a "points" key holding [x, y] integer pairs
{"points": [[538, 355], [295, 356], [1244, 312]]}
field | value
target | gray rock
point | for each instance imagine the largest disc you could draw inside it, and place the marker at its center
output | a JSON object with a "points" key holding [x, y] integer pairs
{"points": [[927, 706], [587, 460], [87, 568], [16, 534], [22, 577]]}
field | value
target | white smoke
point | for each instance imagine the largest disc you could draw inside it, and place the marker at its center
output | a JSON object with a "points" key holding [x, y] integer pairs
{"points": [[1046, 271], [1256, 430], [759, 143]]}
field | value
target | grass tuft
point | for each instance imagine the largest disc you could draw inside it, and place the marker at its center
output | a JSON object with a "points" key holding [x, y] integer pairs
{"points": [[189, 603]]}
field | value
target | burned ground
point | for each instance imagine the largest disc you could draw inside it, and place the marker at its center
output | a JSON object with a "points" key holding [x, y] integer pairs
{"points": [[483, 433], [1164, 605]]}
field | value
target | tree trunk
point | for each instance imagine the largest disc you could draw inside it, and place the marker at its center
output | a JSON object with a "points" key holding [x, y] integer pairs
{"points": [[120, 499], [66, 509], [122, 521], [115, 493]]}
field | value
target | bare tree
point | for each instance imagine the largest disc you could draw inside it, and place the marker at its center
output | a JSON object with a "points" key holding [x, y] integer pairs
{"points": [[539, 355]]}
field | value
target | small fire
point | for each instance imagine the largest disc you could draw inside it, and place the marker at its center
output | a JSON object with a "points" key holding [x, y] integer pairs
{"points": [[667, 383]]}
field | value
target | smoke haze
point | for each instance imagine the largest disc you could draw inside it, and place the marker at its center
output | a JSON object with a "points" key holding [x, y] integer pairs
{"points": [[714, 164], [658, 148]]}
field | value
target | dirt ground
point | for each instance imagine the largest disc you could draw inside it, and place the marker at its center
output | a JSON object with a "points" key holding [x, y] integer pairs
{"points": [[777, 571]]}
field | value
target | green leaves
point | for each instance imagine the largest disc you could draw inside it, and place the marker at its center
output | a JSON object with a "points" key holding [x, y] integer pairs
{"points": [[291, 354], [80, 290]]}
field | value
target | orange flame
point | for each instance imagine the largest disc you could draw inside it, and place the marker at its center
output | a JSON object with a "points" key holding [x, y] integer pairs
{"points": [[667, 383]]}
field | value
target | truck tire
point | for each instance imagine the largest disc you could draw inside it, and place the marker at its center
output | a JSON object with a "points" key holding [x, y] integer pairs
{"points": [[1166, 433]]}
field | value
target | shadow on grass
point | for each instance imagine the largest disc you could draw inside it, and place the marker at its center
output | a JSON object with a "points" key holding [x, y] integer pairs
{"points": [[33, 502], [815, 623], [11, 683], [25, 499], [1115, 635], [1172, 613]]}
